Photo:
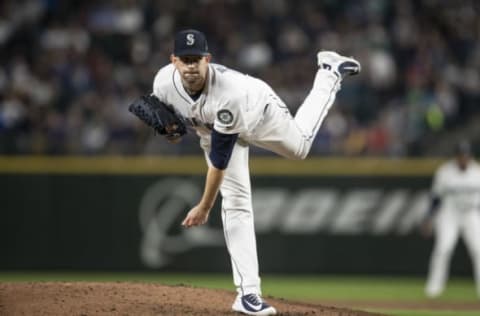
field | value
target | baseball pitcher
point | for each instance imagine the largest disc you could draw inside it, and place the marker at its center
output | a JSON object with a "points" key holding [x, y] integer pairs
{"points": [[229, 111]]}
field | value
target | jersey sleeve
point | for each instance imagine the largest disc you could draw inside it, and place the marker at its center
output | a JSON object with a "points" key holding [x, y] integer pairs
{"points": [[438, 183], [159, 83], [229, 117], [222, 148]]}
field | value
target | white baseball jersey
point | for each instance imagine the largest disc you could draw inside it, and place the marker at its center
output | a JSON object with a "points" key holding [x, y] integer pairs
{"points": [[459, 190], [459, 214], [231, 102], [234, 103]]}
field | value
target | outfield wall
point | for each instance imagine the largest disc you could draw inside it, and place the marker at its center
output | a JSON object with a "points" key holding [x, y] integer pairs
{"points": [[313, 216]]}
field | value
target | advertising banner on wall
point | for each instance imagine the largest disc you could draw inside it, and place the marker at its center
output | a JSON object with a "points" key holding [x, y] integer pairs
{"points": [[310, 224]]}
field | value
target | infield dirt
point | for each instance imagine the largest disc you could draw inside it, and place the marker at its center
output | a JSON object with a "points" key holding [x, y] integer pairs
{"points": [[127, 298]]}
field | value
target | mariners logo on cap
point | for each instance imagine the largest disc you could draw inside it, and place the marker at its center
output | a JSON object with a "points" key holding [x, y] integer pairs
{"points": [[190, 39], [225, 116], [190, 42]]}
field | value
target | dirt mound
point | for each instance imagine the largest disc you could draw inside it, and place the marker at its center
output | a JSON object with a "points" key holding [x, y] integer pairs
{"points": [[122, 298]]}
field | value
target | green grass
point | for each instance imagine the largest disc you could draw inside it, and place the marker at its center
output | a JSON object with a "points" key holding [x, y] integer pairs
{"points": [[296, 287], [425, 312], [363, 288]]}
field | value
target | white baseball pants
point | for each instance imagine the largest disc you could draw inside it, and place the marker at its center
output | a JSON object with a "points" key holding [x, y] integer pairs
{"points": [[449, 224], [282, 134], [292, 137], [237, 220]]}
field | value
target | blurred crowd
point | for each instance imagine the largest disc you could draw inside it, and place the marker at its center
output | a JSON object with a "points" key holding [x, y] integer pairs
{"points": [[70, 69]]}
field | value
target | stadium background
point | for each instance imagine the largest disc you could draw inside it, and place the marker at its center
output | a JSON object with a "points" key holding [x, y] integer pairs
{"points": [[76, 166]]}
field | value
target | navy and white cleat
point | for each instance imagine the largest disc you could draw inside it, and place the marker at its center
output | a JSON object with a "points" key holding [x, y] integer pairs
{"points": [[252, 304], [342, 66]]}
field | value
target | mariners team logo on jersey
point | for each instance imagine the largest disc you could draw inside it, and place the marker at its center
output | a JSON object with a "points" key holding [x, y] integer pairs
{"points": [[225, 116]]}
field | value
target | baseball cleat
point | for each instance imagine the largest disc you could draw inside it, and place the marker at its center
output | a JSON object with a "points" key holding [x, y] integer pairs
{"points": [[252, 304], [342, 66]]}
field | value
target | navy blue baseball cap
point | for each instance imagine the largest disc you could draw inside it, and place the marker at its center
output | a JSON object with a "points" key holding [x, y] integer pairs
{"points": [[190, 42], [463, 147]]}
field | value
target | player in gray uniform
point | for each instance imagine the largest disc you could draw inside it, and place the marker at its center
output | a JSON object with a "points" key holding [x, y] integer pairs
{"points": [[455, 210], [229, 111]]}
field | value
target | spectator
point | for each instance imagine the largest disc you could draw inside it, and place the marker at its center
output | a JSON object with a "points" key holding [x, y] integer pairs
{"points": [[69, 70]]}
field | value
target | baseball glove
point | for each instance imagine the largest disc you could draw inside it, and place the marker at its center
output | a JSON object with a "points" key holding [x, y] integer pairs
{"points": [[161, 117]]}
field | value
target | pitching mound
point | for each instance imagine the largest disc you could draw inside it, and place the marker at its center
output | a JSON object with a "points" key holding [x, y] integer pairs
{"points": [[122, 298]]}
